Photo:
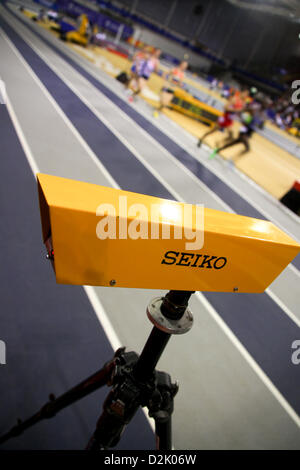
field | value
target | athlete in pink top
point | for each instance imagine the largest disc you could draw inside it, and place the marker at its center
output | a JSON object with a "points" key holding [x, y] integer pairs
{"points": [[174, 79]]}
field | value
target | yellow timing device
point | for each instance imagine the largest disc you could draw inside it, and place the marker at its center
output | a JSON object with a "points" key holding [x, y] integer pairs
{"points": [[97, 235]]}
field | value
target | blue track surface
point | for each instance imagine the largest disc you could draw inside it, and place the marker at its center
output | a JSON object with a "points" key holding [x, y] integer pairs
{"points": [[56, 322]]}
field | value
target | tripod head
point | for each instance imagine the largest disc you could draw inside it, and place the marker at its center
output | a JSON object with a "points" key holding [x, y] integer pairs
{"points": [[97, 235]]}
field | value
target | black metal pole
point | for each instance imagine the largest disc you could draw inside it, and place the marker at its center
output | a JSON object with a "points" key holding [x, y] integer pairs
{"points": [[173, 307], [150, 355], [163, 433]]}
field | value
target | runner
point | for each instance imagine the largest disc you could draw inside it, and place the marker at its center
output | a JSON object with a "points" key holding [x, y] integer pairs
{"points": [[138, 60], [174, 78], [224, 123], [145, 67], [245, 133], [239, 100]]}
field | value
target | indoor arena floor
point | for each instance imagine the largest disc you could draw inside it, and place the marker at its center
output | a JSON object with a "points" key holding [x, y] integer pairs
{"points": [[238, 386]]}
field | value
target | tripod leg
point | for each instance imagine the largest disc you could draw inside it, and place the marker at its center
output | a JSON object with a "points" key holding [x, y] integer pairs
{"points": [[111, 424], [95, 381], [120, 405], [161, 410], [163, 432]]}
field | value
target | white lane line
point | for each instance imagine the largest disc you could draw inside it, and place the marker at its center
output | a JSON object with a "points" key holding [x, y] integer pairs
{"points": [[283, 307], [125, 142], [103, 318], [109, 331], [253, 364], [23, 141], [249, 359], [60, 112], [293, 268]]}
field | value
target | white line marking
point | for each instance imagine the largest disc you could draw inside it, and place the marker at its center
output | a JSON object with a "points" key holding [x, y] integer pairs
{"points": [[109, 330], [103, 318], [23, 141], [100, 312], [283, 307], [61, 113], [253, 364]]}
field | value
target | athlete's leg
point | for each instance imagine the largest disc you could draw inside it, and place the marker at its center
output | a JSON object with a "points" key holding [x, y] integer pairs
{"points": [[229, 135], [236, 141], [132, 81], [245, 140], [165, 98], [211, 131], [233, 142], [141, 82]]}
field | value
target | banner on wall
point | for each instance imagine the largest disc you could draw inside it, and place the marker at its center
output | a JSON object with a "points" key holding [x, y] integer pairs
{"points": [[91, 9], [46, 3]]}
